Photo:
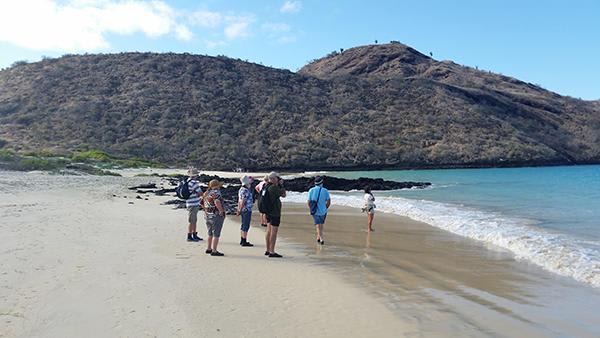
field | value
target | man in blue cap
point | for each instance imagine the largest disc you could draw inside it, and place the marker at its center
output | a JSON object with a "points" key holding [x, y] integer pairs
{"points": [[318, 204]]}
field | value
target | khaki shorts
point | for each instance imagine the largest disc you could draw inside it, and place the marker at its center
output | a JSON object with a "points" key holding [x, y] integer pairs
{"points": [[193, 214]]}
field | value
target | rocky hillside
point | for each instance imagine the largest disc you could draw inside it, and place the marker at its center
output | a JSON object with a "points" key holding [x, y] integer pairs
{"points": [[378, 106]]}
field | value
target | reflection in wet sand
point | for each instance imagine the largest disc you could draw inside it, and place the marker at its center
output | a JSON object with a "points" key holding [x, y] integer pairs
{"points": [[446, 282]]}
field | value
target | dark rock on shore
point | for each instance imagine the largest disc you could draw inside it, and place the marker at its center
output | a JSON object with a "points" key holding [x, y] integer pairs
{"points": [[298, 184], [302, 184]]}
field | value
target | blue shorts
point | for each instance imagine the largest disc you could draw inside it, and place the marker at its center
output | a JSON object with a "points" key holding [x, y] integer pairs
{"points": [[246, 217], [319, 219]]}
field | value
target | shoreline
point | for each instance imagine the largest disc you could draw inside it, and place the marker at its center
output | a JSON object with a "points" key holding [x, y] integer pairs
{"points": [[108, 263], [437, 279]]}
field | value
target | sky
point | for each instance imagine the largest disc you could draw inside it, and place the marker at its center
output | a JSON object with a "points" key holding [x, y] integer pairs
{"points": [[555, 44]]}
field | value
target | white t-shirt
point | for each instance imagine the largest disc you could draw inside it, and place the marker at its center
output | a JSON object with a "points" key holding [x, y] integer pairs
{"points": [[369, 200]]}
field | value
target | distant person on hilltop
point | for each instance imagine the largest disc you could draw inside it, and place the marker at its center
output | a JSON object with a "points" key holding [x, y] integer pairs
{"points": [[244, 208], [270, 204], [193, 204], [214, 214], [318, 204], [369, 207], [258, 188]]}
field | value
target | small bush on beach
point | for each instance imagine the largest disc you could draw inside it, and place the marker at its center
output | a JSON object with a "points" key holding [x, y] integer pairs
{"points": [[91, 156]]}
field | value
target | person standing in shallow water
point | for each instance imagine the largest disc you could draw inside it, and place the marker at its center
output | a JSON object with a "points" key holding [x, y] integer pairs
{"points": [[193, 204], [369, 207], [318, 204], [214, 214], [244, 209]]}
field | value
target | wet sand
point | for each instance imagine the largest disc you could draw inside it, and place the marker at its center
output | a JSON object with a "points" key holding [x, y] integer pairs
{"points": [[441, 282]]}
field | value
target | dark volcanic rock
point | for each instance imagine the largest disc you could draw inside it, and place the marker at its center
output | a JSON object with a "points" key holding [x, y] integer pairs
{"points": [[299, 184], [302, 184]]}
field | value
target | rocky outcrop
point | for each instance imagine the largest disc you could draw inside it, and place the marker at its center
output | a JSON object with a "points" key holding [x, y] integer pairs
{"points": [[297, 184]]}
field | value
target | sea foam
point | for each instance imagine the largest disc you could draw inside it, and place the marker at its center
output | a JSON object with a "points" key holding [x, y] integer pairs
{"points": [[555, 252]]}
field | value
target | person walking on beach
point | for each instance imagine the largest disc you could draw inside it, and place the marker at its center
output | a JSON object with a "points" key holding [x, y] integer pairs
{"points": [[318, 204], [271, 197], [193, 204], [258, 188], [244, 209], [214, 214], [369, 207]]}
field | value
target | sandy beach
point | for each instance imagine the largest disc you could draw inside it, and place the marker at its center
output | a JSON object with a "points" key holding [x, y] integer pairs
{"points": [[78, 261], [84, 257]]}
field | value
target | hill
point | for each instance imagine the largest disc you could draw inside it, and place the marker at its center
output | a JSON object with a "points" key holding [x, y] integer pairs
{"points": [[378, 106]]}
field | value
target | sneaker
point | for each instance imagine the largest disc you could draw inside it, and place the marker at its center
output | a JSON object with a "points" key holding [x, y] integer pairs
{"points": [[263, 225], [208, 251], [322, 242], [196, 239], [216, 253], [267, 253], [247, 244], [275, 255]]}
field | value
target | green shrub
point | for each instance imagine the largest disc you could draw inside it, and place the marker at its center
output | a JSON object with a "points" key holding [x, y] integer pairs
{"points": [[91, 156], [6, 155], [33, 163]]}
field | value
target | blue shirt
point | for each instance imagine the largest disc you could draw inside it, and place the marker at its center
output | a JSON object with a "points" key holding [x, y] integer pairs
{"points": [[244, 194], [323, 198]]}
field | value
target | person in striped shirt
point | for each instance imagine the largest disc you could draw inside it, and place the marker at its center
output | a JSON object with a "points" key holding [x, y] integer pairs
{"points": [[193, 204]]}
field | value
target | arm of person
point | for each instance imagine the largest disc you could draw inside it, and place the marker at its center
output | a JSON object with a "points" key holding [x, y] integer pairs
{"points": [[328, 203], [220, 207], [241, 205], [283, 192]]}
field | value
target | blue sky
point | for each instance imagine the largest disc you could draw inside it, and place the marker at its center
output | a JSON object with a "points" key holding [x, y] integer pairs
{"points": [[552, 43]]}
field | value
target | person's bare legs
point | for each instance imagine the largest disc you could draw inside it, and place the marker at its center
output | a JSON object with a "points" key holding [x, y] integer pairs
{"points": [[319, 228], [263, 219], [272, 238], [215, 243], [268, 237], [209, 243], [370, 219]]}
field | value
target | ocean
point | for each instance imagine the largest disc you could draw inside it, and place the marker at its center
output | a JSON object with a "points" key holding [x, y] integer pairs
{"points": [[549, 216]]}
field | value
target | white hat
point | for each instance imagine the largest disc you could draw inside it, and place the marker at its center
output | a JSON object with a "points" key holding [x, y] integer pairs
{"points": [[193, 171], [246, 180]]}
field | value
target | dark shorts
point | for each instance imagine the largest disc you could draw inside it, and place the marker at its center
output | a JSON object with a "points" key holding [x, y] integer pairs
{"points": [[319, 219], [214, 224], [246, 217], [274, 220]]}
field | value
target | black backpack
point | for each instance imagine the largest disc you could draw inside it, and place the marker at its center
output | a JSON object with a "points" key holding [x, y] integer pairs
{"points": [[264, 200], [183, 190]]}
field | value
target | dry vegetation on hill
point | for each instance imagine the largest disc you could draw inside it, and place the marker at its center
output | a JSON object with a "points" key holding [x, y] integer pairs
{"points": [[379, 106]]}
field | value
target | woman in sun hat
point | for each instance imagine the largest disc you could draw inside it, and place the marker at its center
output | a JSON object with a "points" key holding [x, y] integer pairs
{"points": [[244, 208], [214, 215]]}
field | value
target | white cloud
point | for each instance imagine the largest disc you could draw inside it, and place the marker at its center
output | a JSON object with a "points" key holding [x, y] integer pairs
{"points": [[238, 26], [82, 25], [286, 39], [212, 44], [276, 27], [183, 33], [291, 7], [204, 18]]}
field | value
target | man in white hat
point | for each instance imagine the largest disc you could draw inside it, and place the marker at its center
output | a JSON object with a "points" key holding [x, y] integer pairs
{"points": [[193, 204]]}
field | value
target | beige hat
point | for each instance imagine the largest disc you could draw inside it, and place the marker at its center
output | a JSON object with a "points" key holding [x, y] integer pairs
{"points": [[273, 174], [215, 184], [193, 171]]}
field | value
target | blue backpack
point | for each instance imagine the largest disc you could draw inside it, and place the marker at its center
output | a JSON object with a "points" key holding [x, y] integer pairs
{"points": [[183, 190]]}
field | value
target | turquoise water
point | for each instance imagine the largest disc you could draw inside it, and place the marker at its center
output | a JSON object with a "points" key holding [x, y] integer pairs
{"points": [[548, 215]]}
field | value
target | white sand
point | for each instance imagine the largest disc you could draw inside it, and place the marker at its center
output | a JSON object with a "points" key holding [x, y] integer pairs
{"points": [[78, 262]]}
